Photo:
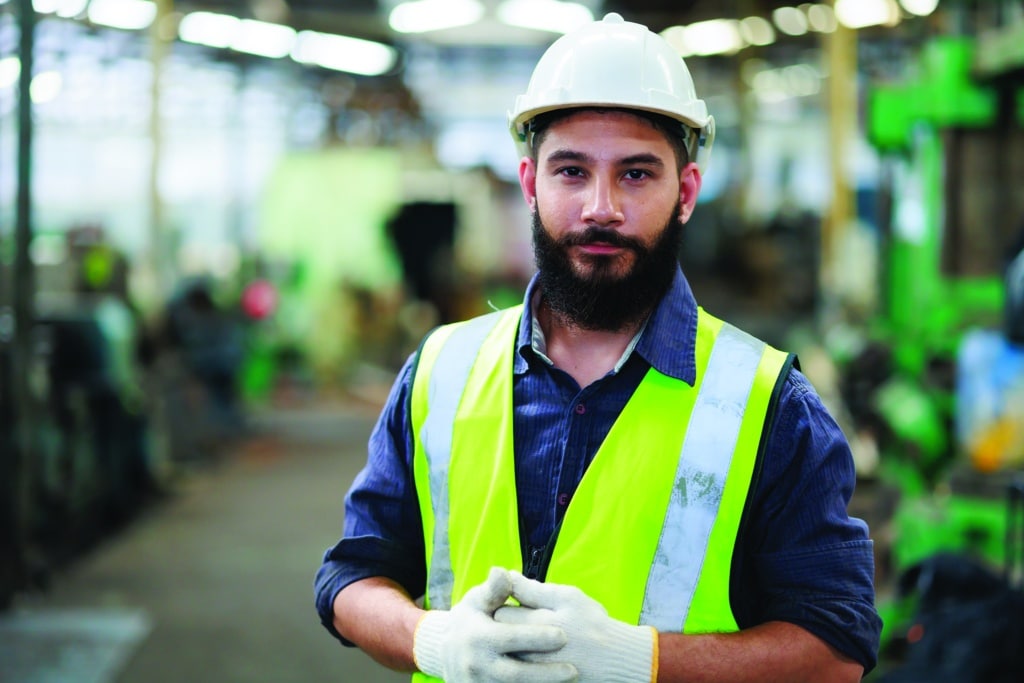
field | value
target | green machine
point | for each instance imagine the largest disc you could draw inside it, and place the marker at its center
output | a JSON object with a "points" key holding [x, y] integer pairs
{"points": [[952, 146]]}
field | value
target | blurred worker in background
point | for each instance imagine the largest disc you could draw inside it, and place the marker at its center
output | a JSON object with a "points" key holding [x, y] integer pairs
{"points": [[209, 341], [606, 483]]}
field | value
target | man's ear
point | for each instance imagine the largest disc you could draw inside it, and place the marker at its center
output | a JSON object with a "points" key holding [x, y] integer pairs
{"points": [[528, 181], [689, 188]]}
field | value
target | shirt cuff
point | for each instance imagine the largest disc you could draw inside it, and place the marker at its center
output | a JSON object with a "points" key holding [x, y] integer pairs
{"points": [[828, 592], [342, 567]]}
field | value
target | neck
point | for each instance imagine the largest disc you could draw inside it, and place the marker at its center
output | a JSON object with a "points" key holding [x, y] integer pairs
{"points": [[587, 355]]}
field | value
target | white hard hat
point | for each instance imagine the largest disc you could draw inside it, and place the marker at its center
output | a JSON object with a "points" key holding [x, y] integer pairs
{"points": [[614, 63]]}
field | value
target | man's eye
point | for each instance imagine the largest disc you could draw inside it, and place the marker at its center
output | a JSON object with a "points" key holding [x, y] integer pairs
{"points": [[637, 174], [571, 171]]}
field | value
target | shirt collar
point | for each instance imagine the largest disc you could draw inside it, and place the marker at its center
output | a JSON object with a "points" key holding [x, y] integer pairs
{"points": [[666, 341]]}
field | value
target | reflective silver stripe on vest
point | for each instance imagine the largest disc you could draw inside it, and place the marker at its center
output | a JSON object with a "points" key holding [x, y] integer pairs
{"points": [[447, 379], [700, 478]]}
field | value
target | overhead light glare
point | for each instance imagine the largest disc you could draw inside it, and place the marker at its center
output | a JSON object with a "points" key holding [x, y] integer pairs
{"points": [[675, 36], [757, 31], [263, 39], [790, 21], [46, 6], [48, 250], [750, 68], [777, 85], [768, 86], [802, 80], [343, 53], [714, 37], [131, 15], [209, 28], [62, 8], [421, 16], [864, 13], [821, 18], [45, 87], [68, 9], [921, 8], [545, 15], [10, 71]]}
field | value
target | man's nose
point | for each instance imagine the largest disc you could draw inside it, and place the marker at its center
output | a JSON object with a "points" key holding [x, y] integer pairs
{"points": [[602, 205]]}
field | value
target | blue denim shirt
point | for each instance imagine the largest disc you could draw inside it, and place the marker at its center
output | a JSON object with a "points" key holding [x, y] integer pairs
{"points": [[800, 557]]}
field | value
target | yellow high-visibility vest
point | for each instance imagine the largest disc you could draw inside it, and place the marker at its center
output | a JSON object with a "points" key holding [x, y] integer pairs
{"points": [[651, 529]]}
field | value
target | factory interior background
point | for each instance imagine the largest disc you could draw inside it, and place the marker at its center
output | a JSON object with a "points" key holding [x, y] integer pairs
{"points": [[225, 224]]}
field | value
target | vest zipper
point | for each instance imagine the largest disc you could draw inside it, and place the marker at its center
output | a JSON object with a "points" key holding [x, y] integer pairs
{"points": [[540, 557], [533, 565]]}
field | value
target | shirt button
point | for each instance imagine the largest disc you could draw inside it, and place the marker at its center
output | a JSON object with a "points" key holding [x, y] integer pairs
{"points": [[580, 409], [563, 499]]}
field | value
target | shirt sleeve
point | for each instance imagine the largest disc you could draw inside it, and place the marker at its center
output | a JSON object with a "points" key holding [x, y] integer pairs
{"points": [[806, 559], [382, 534]]}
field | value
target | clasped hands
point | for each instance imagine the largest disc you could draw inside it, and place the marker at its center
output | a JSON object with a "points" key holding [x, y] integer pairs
{"points": [[555, 634]]}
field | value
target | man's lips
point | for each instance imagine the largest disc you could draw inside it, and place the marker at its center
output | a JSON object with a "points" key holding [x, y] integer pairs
{"points": [[599, 248]]}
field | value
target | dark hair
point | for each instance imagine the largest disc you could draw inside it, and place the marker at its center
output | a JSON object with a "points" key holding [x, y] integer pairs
{"points": [[676, 133]]}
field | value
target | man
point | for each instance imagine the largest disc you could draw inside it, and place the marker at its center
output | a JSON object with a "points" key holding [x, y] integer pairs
{"points": [[607, 483]]}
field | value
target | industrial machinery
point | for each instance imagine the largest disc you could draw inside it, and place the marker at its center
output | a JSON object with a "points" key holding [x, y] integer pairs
{"points": [[938, 383]]}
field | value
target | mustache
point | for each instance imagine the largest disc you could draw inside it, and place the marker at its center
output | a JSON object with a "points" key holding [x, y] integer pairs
{"points": [[604, 236]]}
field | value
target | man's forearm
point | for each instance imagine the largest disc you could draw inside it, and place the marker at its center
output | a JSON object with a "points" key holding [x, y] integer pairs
{"points": [[378, 615], [776, 652]]}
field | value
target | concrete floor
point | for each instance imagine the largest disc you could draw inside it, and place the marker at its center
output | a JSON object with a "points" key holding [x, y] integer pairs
{"points": [[222, 570]]}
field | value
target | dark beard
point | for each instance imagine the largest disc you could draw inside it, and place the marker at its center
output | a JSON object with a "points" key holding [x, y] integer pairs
{"points": [[602, 299]]}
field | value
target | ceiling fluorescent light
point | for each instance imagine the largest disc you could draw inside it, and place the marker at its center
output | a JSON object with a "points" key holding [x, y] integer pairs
{"points": [[821, 18], [714, 37], [420, 16], [921, 8], [10, 71], [69, 9], [757, 31], [47, 6], [209, 28], [62, 8], [676, 37], [544, 15], [45, 87], [342, 53], [790, 21], [263, 39], [864, 13], [131, 15]]}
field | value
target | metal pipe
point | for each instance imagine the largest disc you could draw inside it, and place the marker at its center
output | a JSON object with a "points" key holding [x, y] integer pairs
{"points": [[841, 53], [17, 448], [160, 267]]}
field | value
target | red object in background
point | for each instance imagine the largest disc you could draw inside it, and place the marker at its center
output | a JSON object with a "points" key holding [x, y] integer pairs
{"points": [[259, 299]]}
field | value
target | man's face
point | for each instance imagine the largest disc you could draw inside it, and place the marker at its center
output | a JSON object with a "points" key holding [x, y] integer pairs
{"points": [[600, 297], [608, 204]]}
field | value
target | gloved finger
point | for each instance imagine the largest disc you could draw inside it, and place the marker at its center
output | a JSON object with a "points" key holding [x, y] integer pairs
{"points": [[510, 614], [538, 657], [511, 670], [492, 593], [525, 637], [532, 593]]}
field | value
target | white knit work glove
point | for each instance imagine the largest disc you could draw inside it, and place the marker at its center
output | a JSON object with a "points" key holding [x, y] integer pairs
{"points": [[466, 645], [602, 649]]}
